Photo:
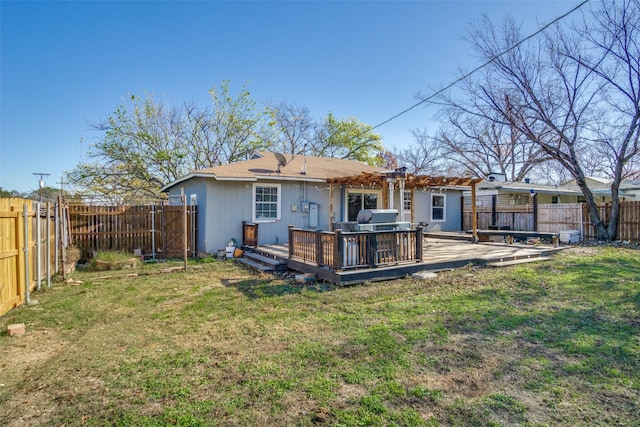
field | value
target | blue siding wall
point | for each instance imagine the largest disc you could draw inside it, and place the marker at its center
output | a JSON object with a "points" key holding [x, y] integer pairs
{"points": [[223, 205], [422, 210]]}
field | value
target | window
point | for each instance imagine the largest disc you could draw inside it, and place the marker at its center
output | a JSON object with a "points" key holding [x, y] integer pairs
{"points": [[438, 208], [554, 200], [407, 201], [266, 202], [360, 200]]}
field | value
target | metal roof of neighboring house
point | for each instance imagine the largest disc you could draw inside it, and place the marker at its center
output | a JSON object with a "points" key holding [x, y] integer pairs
{"points": [[524, 187], [602, 186], [265, 165]]}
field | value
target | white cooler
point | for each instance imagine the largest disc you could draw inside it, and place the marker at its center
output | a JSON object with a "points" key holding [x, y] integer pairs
{"points": [[570, 236]]}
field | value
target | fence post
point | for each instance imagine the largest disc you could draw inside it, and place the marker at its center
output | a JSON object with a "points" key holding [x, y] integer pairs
{"points": [[25, 224], [153, 231], [184, 230], [56, 227], [38, 246], [48, 244]]}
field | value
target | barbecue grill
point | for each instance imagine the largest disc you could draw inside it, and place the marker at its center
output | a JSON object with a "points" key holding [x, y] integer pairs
{"points": [[379, 220]]}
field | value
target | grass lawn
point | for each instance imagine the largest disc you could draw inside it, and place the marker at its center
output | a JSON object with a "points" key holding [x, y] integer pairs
{"points": [[543, 344]]}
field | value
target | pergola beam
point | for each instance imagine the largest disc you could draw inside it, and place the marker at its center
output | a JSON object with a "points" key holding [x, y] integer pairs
{"points": [[410, 181]]}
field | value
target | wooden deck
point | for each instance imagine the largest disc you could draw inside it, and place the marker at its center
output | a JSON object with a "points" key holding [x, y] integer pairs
{"points": [[439, 253]]}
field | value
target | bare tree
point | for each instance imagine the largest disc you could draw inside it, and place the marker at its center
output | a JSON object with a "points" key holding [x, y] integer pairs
{"points": [[424, 156], [291, 129], [482, 145], [572, 92]]}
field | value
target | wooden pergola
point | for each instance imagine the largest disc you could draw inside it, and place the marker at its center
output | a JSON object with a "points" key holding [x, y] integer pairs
{"points": [[389, 180]]}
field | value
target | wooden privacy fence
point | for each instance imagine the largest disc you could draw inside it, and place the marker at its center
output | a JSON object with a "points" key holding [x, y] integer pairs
{"points": [[28, 249], [519, 217], [628, 220], [554, 218], [156, 231], [341, 250]]}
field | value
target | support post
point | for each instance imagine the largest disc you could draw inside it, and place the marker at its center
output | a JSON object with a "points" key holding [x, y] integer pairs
{"points": [[48, 244], [419, 247], [474, 213], [401, 185], [318, 238], [56, 226], [372, 249], [494, 213], [38, 245], [535, 212], [331, 216], [338, 250], [291, 241], [25, 225], [184, 230]]}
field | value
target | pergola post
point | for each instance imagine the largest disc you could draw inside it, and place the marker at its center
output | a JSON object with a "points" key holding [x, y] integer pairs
{"points": [[331, 217]]}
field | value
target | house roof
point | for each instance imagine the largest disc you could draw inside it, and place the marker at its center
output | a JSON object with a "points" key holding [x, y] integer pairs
{"points": [[602, 186], [524, 187], [265, 165]]}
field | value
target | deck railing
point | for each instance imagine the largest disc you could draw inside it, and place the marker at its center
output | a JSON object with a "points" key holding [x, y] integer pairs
{"points": [[341, 250]]}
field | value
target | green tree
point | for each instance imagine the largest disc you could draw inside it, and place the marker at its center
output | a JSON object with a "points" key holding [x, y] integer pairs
{"points": [[146, 144], [7, 193], [138, 152], [347, 139]]}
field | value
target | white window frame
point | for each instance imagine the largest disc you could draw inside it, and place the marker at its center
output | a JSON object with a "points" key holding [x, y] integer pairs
{"points": [[278, 203], [444, 207]]}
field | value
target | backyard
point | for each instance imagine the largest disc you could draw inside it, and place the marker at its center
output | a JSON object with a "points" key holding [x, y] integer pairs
{"points": [[540, 344]]}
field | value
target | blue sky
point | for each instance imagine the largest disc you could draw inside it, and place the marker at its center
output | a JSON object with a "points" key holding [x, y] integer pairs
{"points": [[66, 64]]}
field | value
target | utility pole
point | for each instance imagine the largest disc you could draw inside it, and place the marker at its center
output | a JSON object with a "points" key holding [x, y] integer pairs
{"points": [[41, 181], [61, 185]]}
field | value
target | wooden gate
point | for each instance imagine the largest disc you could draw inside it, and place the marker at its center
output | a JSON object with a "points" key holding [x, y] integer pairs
{"points": [[157, 231]]}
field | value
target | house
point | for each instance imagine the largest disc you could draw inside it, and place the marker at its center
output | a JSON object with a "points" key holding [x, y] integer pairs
{"points": [[513, 204], [496, 191], [277, 191], [601, 188]]}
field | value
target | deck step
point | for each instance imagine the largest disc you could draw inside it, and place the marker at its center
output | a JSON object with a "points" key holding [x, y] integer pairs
{"points": [[255, 265], [263, 263], [447, 236], [516, 261]]}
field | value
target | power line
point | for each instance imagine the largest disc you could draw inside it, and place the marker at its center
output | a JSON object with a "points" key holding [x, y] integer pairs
{"points": [[475, 70]]}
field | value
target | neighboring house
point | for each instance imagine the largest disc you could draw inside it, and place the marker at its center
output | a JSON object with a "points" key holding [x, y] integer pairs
{"points": [[495, 191], [601, 188], [277, 191]]}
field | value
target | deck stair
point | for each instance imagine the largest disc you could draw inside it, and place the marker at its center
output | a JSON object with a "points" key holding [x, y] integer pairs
{"points": [[263, 261], [516, 261], [465, 237]]}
